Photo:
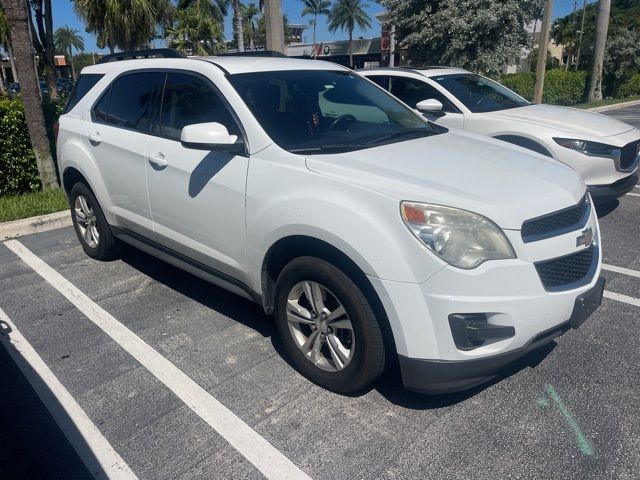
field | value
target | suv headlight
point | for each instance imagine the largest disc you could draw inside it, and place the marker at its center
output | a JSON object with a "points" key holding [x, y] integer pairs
{"points": [[592, 149], [463, 239]]}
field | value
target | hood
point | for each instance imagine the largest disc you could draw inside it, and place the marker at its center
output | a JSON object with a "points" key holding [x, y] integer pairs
{"points": [[565, 119], [506, 184]]}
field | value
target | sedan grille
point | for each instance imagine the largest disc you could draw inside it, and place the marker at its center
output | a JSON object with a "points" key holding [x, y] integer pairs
{"points": [[629, 154], [570, 271], [557, 223]]}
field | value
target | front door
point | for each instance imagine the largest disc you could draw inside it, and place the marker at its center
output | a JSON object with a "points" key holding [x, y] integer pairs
{"points": [[197, 197]]}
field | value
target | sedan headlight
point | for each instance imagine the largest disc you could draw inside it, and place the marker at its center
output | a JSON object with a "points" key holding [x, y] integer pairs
{"points": [[592, 149], [463, 239]]}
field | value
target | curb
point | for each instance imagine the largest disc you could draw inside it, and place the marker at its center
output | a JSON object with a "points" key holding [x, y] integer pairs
{"points": [[41, 223], [615, 106]]}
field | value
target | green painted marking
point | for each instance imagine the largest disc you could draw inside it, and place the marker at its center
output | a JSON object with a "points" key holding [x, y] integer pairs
{"points": [[543, 402], [583, 443]]}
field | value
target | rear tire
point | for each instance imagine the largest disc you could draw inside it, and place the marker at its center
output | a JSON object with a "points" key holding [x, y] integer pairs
{"points": [[327, 326], [91, 225]]}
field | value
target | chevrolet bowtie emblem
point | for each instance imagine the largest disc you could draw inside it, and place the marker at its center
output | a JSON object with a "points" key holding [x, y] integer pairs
{"points": [[585, 238]]}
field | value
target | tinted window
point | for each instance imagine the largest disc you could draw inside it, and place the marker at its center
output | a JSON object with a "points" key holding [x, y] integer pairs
{"points": [[188, 100], [382, 80], [131, 100], [412, 91], [101, 109], [480, 94], [309, 111], [83, 85]]}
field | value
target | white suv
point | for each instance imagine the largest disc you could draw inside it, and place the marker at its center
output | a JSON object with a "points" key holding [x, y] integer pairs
{"points": [[603, 150], [368, 232]]}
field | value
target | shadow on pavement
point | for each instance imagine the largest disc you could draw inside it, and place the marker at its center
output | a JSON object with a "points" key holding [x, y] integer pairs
{"points": [[32, 445], [252, 315]]}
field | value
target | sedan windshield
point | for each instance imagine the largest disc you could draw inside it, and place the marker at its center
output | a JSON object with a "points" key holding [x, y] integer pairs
{"points": [[323, 111], [480, 94]]}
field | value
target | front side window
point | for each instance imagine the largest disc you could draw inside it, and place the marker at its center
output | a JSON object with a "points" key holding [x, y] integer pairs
{"points": [[130, 102], [187, 100], [480, 94], [412, 91], [321, 111]]}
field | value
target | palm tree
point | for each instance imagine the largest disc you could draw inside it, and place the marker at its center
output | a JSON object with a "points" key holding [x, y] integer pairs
{"points": [[66, 39], [602, 27], [315, 8], [237, 23], [16, 14], [196, 32], [249, 13], [127, 25], [345, 15]]}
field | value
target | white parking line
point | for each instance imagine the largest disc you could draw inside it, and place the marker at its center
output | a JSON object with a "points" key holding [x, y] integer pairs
{"points": [[625, 271], [95, 451], [634, 194], [622, 298], [264, 456]]}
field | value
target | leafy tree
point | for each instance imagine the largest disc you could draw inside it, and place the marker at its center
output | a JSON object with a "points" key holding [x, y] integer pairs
{"points": [[126, 25], [345, 15], [481, 35], [66, 39], [17, 18], [315, 8]]}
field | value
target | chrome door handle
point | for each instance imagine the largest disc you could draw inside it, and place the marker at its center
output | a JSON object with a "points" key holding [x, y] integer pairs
{"points": [[158, 160], [95, 138]]}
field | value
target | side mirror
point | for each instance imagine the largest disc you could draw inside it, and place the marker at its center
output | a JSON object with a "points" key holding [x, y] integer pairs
{"points": [[431, 105], [210, 136]]}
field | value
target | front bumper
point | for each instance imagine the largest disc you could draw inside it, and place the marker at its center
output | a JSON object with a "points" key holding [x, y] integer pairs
{"points": [[604, 193], [447, 376]]}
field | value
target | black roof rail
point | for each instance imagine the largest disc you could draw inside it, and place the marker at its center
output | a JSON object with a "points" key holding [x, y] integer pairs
{"points": [[253, 53], [133, 54]]}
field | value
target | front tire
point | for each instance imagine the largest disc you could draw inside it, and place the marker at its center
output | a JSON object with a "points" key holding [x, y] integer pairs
{"points": [[91, 225], [327, 326]]}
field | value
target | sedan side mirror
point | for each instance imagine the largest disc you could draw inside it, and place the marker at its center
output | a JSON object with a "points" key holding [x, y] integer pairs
{"points": [[431, 105], [210, 136]]}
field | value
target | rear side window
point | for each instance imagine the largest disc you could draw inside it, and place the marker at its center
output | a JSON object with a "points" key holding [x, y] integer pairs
{"points": [[129, 101], [188, 100], [85, 83]]}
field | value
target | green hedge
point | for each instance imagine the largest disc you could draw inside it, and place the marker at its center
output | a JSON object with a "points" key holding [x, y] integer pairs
{"points": [[561, 87], [18, 170], [631, 87]]}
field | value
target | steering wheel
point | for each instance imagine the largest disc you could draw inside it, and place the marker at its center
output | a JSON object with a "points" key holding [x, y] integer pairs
{"points": [[341, 119]]}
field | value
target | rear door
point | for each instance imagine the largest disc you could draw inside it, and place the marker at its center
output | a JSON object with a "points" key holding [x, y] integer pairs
{"points": [[117, 138], [197, 197]]}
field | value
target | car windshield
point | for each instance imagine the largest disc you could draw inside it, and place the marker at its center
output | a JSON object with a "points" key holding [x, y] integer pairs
{"points": [[480, 94], [323, 111]]}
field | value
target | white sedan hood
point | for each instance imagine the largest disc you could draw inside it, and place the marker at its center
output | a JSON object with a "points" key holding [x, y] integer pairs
{"points": [[565, 119], [506, 184]]}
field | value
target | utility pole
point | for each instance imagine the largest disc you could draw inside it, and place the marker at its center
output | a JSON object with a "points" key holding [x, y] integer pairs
{"points": [[543, 47], [584, 12], [274, 25], [602, 28]]}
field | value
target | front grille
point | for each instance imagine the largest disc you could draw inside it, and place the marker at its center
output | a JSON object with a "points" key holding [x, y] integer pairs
{"points": [[570, 271], [629, 155], [556, 223]]}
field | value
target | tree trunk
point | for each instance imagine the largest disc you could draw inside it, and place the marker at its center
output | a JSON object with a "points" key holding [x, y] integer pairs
{"points": [[12, 61], [543, 47], [315, 21], [584, 11], [3, 82], [350, 48], [43, 42], [602, 27], [16, 14], [237, 19], [73, 68]]}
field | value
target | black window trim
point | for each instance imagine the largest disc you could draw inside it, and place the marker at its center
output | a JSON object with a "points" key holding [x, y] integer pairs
{"points": [[158, 102]]}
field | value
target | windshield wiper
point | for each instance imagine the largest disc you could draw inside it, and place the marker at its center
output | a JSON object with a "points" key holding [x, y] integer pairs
{"points": [[330, 148], [420, 131]]}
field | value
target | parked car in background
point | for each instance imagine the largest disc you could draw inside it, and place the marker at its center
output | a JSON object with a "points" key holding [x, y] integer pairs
{"points": [[370, 233], [604, 151]]}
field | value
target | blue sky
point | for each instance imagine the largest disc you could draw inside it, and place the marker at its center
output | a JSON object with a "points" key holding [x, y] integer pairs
{"points": [[63, 14]]}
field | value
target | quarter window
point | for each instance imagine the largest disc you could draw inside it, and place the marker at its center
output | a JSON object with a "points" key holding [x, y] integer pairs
{"points": [[85, 83], [188, 100]]}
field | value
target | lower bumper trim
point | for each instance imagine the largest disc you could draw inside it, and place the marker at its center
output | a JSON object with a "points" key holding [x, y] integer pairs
{"points": [[603, 193]]}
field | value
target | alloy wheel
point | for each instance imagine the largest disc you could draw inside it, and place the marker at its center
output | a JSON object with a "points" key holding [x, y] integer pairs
{"points": [[87, 221]]}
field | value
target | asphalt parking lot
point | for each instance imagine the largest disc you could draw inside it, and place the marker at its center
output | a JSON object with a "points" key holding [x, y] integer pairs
{"points": [[218, 400]]}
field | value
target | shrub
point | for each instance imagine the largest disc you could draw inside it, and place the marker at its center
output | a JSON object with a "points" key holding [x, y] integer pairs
{"points": [[521, 83], [631, 87], [561, 87], [18, 170]]}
